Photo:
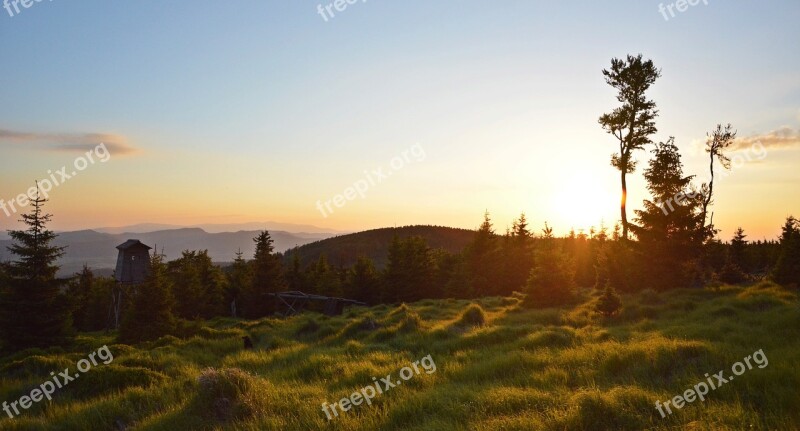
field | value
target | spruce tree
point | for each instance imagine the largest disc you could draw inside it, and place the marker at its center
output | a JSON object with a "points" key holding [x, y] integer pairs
{"points": [[609, 303], [150, 315], [186, 285], [363, 281], [267, 277], [33, 312], [483, 259], [552, 279], [80, 291], [240, 277], [518, 257], [410, 271], [213, 286], [787, 268], [670, 237], [733, 269]]}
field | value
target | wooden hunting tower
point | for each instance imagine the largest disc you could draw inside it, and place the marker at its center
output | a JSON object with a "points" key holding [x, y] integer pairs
{"points": [[132, 262]]}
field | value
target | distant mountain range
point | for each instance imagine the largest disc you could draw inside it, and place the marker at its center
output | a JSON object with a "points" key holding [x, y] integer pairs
{"points": [[297, 229], [98, 249]]}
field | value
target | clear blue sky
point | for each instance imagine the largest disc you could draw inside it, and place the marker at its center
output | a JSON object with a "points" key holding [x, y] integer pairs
{"points": [[255, 110]]}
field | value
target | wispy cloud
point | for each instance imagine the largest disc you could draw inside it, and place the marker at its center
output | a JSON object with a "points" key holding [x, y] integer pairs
{"points": [[784, 137], [69, 143]]}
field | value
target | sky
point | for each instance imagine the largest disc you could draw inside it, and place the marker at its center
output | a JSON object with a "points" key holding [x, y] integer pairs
{"points": [[385, 113]]}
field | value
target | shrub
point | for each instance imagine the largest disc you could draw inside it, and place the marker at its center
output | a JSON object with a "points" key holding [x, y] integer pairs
{"points": [[609, 303], [472, 316], [227, 394]]}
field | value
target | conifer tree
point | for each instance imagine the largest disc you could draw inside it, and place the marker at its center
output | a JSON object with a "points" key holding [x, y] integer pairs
{"points": [[80, 292], [267, 278], [609, 303], [670, 242], [483, 259], [33, 312], [239, 278], [733, 269], [552, 279], [186, 285], [150, 315], [787, 268], [363, 281], [518, 257]]}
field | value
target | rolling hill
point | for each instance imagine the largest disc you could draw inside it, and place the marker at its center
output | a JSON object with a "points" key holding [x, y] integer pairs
{"points": [[345, 249]]}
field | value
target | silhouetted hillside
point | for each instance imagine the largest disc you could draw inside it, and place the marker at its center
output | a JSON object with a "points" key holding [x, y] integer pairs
{"points": [[345, 249]]}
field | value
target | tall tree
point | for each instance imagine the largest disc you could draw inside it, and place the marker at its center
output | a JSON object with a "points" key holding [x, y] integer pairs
{"points": [[267, 278], [633, 123], [33, 312], [716, 144], [669, 243]]}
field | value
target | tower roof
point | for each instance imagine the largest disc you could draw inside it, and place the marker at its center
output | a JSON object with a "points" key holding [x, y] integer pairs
{"points": [[132, 243]]}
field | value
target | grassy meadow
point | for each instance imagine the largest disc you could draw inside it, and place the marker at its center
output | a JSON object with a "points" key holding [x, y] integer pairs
{"points": [[499, 366]]}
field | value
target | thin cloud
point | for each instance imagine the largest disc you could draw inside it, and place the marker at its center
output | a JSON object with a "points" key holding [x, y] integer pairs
{"points": [[785, 137], [70, 143]]}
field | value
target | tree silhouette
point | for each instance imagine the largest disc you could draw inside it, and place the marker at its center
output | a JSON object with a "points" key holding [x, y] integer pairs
{"points": [[634, 121], [733, 270], [150, 315], [787, 269], [669, 243], [483, 258], [267, 278], [239, 278], [33, 312], [716, 144], [363, 281], [609, 303], [552, 279]]}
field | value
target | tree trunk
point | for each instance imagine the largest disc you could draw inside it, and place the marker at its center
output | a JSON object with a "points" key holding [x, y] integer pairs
{"points": [[622, 208]]}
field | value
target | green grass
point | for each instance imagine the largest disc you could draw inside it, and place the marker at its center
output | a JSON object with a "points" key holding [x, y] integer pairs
{"points": [[499, 367]]}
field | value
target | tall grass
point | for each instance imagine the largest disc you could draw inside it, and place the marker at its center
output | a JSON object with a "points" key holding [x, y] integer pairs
{"points": [[499, 366]]}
